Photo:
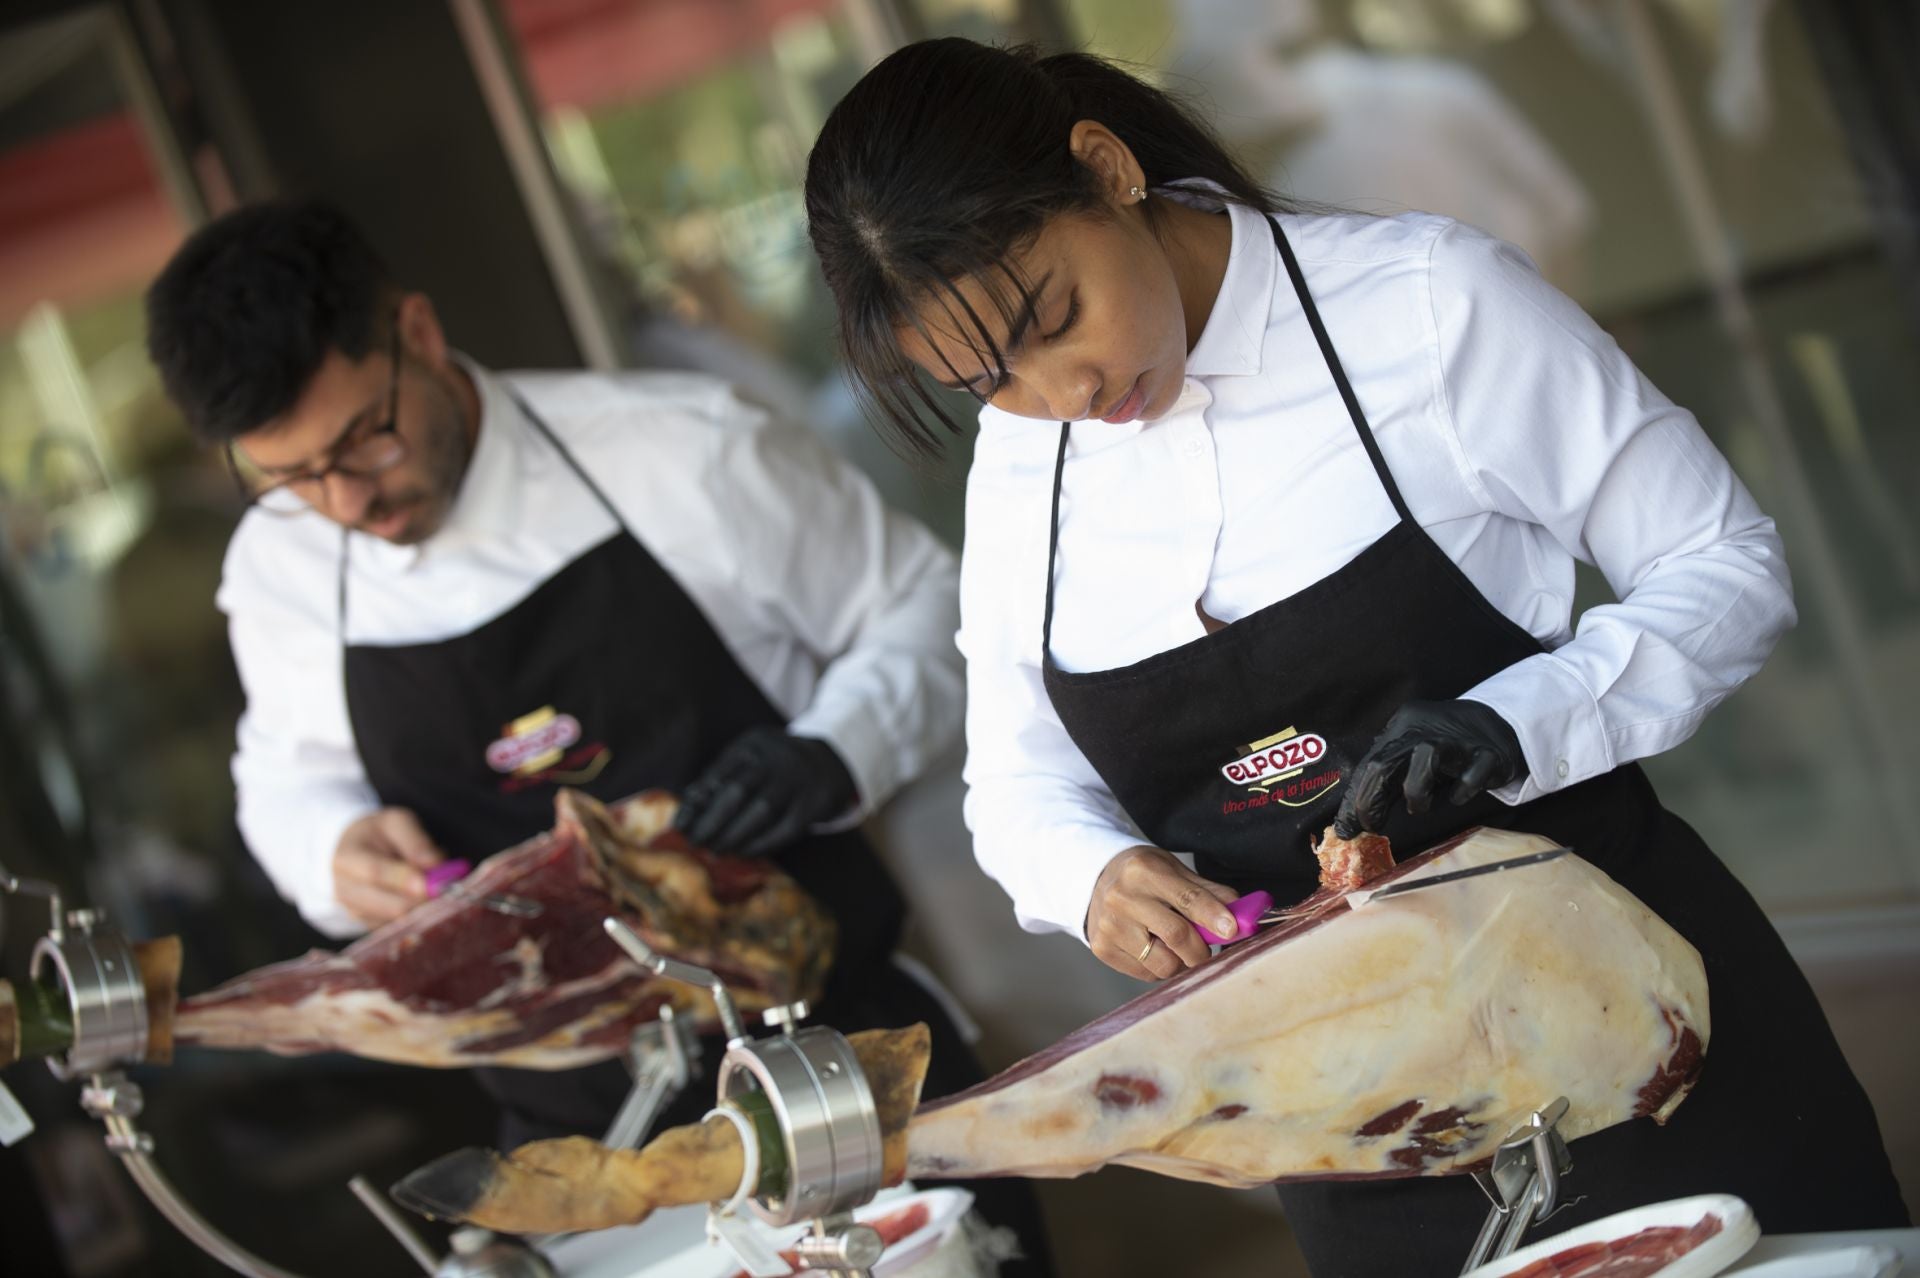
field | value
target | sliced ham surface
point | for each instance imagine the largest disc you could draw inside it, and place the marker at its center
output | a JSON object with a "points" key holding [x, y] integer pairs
{"points": [[1400, 1037], [1640, 1255], [512, 967]]}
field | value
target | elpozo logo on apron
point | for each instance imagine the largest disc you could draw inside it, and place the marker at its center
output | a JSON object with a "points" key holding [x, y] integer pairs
{"points": [[1282, 769], [544, 747]]}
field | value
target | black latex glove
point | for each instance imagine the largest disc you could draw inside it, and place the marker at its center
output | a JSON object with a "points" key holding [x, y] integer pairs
{"points": [[1427, 745], [764, 791]]}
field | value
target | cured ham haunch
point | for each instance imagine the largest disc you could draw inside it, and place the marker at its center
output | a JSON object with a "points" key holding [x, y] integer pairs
{"points": [[1400, 1037], [512, 967]]}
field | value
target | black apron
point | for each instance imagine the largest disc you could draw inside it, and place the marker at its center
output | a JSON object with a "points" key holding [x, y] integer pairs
{"points": [[607, 677], [1235, 747]]}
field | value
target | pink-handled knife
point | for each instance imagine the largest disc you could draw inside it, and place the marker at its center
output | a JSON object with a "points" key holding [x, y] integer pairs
{"points": [[448, 875], [445, 875], [1246, 912]]}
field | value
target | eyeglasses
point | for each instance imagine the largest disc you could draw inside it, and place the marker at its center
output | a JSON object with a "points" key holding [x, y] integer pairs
{"points": [[363, 450]]}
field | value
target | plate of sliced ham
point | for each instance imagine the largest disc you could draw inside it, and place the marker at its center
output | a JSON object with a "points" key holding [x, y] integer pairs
{"points": [[1683, 1238]]}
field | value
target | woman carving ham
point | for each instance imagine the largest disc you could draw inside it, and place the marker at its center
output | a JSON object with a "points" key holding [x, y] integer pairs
{"points": [[1246, 476]]}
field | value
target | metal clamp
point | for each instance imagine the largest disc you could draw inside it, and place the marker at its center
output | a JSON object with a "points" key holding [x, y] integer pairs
{"points": [[829, 1125], [824, 1137], [95, 968], [1523, 1184], [663, 1054], [116, 1101]]}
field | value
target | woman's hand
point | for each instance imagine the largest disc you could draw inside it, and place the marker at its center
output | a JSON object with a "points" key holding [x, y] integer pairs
{"points": [[1145, 893], [1460, 748]]}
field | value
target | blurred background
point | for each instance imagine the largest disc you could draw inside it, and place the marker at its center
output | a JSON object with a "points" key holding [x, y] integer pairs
{"points": [[1730, 186]]}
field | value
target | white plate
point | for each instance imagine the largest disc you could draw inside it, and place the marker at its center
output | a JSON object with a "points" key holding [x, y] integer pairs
{"points": [[1842, 1262], [1738, 1232]]}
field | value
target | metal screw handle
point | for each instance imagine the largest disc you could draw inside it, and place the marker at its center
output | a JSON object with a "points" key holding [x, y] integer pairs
{"points": [[675, 970], [842, 1247], [785, 1016]]}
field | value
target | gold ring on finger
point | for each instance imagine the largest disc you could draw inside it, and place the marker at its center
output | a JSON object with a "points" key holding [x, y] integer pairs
{"points": [[1146, 949]]}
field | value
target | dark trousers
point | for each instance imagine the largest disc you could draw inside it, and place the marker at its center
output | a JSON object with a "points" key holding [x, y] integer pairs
{"points": [[536, 1105]]}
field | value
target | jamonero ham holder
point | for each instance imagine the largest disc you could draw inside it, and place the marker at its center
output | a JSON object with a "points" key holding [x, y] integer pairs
{"points": [[1370, 1031]]}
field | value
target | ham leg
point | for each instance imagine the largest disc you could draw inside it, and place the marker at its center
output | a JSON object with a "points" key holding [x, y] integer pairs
{"points": [[1402, 1037], [1358, 1039], [511, 967]]}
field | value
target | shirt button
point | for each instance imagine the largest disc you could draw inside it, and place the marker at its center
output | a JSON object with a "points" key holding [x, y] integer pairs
{"points": [[1196, 446], [1561, 769]]}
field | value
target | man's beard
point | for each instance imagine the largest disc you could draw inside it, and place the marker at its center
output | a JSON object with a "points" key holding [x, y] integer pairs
{"points": [[442, 459]]}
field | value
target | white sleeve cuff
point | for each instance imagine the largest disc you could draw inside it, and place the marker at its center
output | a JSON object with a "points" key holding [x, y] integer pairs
{"points": [[1057, 881], [315, 898], [1557, 719], [293, 832]]}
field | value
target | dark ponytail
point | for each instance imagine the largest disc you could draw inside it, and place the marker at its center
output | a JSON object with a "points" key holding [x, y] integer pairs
{"points": [[947, 159]]}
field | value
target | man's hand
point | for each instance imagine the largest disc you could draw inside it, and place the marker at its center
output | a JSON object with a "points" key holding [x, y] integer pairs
{"points": [[764, 791], [1425, 745], [379, 868], [1145, 893]]}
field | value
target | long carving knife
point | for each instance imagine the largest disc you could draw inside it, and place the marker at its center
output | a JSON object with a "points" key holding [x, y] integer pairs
{"points": [[1256, 910]]}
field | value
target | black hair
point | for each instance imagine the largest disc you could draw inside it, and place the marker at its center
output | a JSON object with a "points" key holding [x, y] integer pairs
{"points": [[244, 314], [944, 161]]}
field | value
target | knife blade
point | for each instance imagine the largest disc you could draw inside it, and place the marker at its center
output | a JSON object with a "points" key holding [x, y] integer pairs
{"points": [[1472, 872]]}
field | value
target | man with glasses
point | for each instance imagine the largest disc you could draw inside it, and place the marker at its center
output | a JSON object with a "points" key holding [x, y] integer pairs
{"points": [[456, 590], [446, 577]]}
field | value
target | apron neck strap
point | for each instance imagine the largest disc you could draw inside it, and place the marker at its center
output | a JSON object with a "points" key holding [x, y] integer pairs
{"points": [[1053, 547], [546, 432], [1339, 373]]}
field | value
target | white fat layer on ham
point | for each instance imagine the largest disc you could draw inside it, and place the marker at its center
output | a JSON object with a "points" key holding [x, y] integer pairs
{"points": [[367, 1021], [525, 955], [1491, 996]]}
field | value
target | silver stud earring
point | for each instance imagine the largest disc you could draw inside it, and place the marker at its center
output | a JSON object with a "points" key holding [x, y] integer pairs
{"points": [[1138, 193]]}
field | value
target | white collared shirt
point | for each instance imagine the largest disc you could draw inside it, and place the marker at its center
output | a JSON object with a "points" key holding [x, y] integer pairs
{"points": [[1522, 439], [841, 609]]}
